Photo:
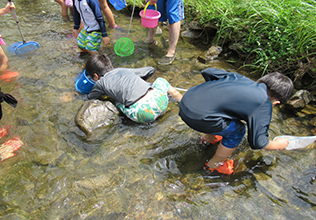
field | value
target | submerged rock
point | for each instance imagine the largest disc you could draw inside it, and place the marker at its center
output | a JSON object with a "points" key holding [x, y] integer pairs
{"points": [[195, 25], [211, 54], [95, 114], [300, 99], [191, 34]]}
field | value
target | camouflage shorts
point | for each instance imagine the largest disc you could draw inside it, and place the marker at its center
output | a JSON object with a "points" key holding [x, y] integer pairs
{"points": [[147, 110]]}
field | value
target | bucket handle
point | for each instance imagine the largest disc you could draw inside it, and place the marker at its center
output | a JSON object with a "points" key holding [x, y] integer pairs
{"points": [[146, 8]]}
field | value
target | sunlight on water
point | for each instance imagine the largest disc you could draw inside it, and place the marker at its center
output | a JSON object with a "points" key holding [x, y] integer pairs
{"points": [[128, 170]]}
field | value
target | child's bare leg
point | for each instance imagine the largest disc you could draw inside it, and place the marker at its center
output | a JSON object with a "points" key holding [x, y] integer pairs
{"points": [[175, 94], [221, 154], [64, 9], [151, 34], [3, 61], [107, 12]]}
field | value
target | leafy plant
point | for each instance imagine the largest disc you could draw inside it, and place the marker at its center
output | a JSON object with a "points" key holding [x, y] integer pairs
{"points": [[275, 34]]}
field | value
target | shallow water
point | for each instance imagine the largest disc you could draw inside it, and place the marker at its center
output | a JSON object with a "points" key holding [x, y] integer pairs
{"points": [[128, 170]]}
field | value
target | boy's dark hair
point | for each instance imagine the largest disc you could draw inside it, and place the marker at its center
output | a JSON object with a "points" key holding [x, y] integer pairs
{"points": [[99, 64], [279, 86]]}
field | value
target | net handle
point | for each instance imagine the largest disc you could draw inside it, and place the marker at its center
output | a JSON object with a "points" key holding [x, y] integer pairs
{"points": [[17, 22], [130, 22]]}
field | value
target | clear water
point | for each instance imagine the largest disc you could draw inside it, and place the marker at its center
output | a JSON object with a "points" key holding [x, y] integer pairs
{"points": [[128, 170]]}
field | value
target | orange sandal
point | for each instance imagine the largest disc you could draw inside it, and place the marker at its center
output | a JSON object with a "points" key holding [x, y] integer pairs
{"points": [[217, 139], [226, 168]]}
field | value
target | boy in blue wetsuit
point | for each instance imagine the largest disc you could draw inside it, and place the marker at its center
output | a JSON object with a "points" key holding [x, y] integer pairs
{"points": [[93, 32], [139, 100], [218, 106]]}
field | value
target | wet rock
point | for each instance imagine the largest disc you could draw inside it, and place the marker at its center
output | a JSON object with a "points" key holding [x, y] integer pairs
{"points": [[196, 182], [269, 160], [313, 122], [195, 25], [300, 99], [185, 210], [190, 34], [95, 114], [309, 110], [92, 183], [211, 54], [270, 187]]}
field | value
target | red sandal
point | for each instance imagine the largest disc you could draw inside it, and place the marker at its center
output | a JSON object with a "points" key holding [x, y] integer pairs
{"points": [[226, 168], [217, 139]]}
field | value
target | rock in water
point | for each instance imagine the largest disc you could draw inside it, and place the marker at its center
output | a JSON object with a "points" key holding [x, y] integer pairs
{"points": [[213, 52], [300, 99], [95, 114]]}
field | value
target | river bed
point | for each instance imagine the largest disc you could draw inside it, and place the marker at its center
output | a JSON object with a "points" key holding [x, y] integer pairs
{"points": [[129, 170]]}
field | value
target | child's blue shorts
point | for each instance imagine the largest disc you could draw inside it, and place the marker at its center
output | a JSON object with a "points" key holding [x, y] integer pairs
{"points": [[172, 10], [233, 134]]}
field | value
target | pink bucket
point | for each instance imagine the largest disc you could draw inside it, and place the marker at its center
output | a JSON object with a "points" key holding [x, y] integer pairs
{"points": [[149, 17]]}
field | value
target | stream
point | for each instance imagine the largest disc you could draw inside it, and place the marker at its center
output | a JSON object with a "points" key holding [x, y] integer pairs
{"points": [[129, 170]]}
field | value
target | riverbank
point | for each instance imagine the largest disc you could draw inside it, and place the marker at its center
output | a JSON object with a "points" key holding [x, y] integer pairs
{"points": [[261, 36]]}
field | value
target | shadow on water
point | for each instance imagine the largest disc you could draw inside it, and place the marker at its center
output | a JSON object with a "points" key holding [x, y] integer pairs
{"points": [[129, 170]]}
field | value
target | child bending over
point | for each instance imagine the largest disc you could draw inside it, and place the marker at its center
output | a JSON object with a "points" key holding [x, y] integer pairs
{"points": [[139, 100], [218, 106]]}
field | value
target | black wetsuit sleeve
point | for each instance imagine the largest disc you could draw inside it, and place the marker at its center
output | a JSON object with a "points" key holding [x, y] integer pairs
{"points": [[76, 18], [96, 8], [258, 126]]}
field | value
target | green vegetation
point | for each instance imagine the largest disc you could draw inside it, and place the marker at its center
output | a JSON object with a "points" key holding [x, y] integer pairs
{"points": [[270, 35]]}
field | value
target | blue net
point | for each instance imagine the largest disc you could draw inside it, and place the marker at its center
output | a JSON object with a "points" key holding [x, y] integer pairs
{"points": [[27, 47]]}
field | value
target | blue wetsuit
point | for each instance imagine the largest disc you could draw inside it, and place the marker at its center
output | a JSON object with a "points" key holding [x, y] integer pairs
{"points": [[225, 97]]}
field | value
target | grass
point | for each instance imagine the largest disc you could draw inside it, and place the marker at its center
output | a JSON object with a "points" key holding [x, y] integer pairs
{"points": [[274, 35]]}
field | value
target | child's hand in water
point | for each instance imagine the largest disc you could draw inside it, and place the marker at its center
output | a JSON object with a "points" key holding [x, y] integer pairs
{"points": [[282, 143], [75, 33], [106, 40], [278, 144]]}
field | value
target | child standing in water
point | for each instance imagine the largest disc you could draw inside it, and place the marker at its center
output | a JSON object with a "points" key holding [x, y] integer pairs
{"points": [[218, 107], [139, 100], [64, 9], [93, 32], [3, 58]]}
